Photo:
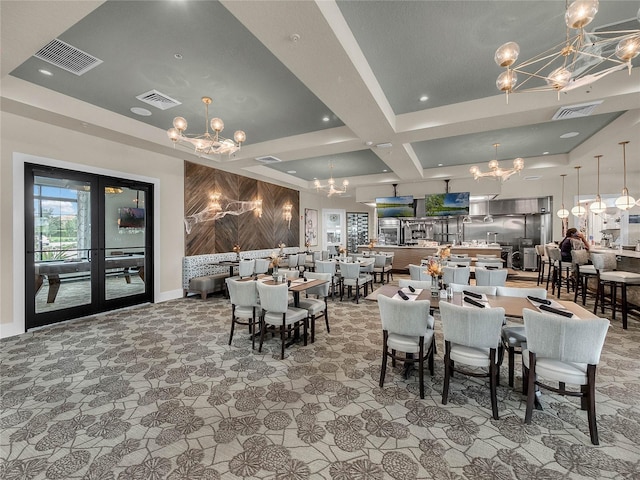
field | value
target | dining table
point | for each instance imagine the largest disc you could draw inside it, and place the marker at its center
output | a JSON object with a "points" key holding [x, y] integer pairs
{"points": [[513, 306]]}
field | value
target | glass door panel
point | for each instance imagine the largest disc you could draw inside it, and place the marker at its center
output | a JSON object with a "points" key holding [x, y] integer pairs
{"points": [[125, 227], [61, 243]]}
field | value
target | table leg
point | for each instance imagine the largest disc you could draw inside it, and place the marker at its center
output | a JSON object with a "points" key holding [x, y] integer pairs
{"points": [[54, 286], [39, 282], [141, 272]]}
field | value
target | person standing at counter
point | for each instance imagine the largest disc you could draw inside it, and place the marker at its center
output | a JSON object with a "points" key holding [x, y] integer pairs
{"points": [[573, 240]]}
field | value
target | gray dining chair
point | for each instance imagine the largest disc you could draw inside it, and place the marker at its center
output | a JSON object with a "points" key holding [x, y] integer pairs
{"points": [[459, 275], [278, 314], [262, 265], [566, 351], [317, 307], [472, 338], [514, 338], [407, 327], [244, 306], [418, 272], [323, 266], [458, 287], [246, 268], [583, 272], [351, 277], [489, 277]]}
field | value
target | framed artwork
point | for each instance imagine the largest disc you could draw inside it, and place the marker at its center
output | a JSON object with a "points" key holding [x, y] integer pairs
{"points": [[311, 227]]}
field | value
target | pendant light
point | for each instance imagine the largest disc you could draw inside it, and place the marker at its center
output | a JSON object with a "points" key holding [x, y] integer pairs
{"points": [[598, 206], [625, 201], [563, 212], [488, 218], [578, 210]]}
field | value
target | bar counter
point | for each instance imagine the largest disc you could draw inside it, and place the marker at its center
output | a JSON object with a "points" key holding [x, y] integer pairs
{"points": [[412, 255]]}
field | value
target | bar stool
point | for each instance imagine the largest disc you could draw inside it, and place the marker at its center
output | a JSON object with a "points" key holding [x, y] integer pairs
{"points": [[555, 270], [543, 262], [579, 260], [605, 264]]}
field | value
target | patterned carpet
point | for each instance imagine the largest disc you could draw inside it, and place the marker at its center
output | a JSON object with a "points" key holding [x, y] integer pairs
{"points": [[155, 392]]}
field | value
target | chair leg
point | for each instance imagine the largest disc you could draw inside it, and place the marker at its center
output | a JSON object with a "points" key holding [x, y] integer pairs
{"points": [[326, 318], [494, 371], [282, 336], [531, 387], [512, 356], [312, 319], [447, 372], [263, 327], [383, 369], [421, 368], [431, 355], [253, 330], [233, 322], [623, 287], [599, 286], [591, 402], [614, 299]]}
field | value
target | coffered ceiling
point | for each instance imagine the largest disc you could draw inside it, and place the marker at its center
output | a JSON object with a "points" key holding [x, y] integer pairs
{"points": [[320, 84]]}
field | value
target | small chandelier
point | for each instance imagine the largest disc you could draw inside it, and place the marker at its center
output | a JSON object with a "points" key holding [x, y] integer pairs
{"points": [[598, 206], [495, 171], [330, 187], [625, 201], [563, 212], [578, 210], [207, 143], [571, 63]]}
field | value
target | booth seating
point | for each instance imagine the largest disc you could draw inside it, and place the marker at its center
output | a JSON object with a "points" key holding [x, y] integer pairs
{"points": [[204, 274]]}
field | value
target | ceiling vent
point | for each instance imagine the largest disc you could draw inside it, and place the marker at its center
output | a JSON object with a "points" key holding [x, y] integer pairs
{"points": [[67, 57], [268, 159], [576, 111], [622, 25], [158, 100]]}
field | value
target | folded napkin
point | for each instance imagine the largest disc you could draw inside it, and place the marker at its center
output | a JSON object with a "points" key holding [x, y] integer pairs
{"points": [[564, 313], [473, 302], [415, 291], [489, 267], [472, 294], [539, 300], [403, 295]]}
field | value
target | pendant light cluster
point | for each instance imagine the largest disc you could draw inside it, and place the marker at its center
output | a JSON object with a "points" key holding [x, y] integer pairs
{"points": [[563, 212], [598, 206], [625, 201]]}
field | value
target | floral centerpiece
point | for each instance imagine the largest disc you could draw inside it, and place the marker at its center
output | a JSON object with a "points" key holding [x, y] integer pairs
{"points": [[342, 250], [236, 249], [444, 253], [372, 243], [434, 268], [275, 262]]}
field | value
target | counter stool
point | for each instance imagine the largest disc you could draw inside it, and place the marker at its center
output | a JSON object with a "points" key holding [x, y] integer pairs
{"points": [[605, 264], [543, 262], [555, 270], [579, 260]]}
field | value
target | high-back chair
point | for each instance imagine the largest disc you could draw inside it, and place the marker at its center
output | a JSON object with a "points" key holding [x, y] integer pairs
{"points": [[458, 287], [566, 351], [262, 266], [246, 268], [459, 275], [513, 336], [605, 265], [418, 272], [310, 264], [244, 306], [380, 268], [278, 314], [302, 260], [325, 255], [583, 272], [543, 262], [406, 327], [351, 277], [323, 266], [472, 338], [292, 261], [487, 277], [317, 306]]}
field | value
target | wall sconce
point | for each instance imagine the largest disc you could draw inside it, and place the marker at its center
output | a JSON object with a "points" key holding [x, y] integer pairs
{"points": [[214, 204], [286, 213], [257, 207]]}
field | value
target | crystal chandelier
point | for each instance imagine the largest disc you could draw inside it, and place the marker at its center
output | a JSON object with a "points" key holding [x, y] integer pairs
{"points": [[563, 212], [495, 171], [330, 187], [207, 143], [625, 201], [578, 210], [572, 63]]}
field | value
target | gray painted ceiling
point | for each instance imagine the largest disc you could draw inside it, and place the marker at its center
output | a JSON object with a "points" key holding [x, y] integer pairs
{"points": [[320, 83]]}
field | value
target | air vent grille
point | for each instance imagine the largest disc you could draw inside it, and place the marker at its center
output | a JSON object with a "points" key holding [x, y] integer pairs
{"points": [[67, 57], [268, 159], [576, 111], [158, 100]]}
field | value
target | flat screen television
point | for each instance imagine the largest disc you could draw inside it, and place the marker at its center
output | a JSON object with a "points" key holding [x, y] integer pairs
{"points": [[395, 206], [446, 204], [130, 217]]}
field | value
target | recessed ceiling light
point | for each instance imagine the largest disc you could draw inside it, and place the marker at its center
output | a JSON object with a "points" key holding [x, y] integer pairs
{"points": [[178, 56], [424, 98], [385, 170], [325, 119], [440, 164], [545, 153], [569, 134], [45, 72], [369, 143], [291, 171], [143, 112]]}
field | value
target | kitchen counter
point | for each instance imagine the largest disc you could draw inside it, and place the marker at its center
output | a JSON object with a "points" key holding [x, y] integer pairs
{"points": [[620, 253], [405, 255]]}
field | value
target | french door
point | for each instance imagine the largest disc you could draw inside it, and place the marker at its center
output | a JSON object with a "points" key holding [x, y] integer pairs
{"points": [[89, 244]]}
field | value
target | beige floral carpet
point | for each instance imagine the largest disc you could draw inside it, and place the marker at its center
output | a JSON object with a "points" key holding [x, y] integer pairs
{"points": [[155, 392]]}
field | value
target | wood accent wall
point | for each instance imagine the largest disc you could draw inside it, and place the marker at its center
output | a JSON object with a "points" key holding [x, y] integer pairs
{"points": [[247, 230]]}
